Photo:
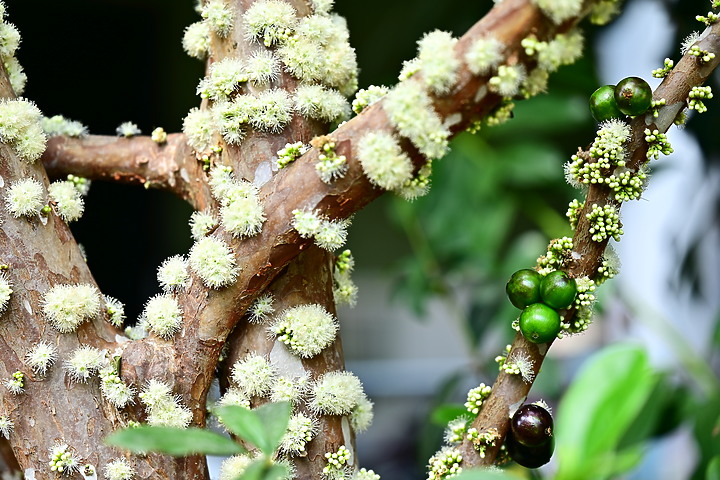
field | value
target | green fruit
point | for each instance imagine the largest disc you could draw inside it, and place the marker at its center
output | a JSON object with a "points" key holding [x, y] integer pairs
{"points": [[523, 288], [539, 323], [633, 96], [602, 104], [529, 457], [558, 290]]}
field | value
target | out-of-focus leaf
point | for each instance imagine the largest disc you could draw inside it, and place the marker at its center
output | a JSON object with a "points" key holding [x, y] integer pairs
{"points": [[597, 410], [178, 442], [707, 432], [482, 474], [447, 412], [713, 469], [263, 427]]}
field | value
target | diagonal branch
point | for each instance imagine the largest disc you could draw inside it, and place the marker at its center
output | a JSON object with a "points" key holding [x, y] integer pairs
{"points": [[509, 391]]}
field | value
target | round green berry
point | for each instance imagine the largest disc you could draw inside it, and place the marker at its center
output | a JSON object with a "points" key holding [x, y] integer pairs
{"points": [[539, 323], [602, 104], [633, 95], [523, 288], [558, 290]]}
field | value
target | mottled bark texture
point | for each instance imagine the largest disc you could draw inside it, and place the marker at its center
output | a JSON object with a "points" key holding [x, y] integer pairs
{"points": [[41, 255]]}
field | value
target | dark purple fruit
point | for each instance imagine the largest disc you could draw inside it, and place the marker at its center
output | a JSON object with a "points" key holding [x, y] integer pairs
{"points": [[532, 425], [558, 290], [633, 95], [523, 288], [529, 457], [603, 105]]}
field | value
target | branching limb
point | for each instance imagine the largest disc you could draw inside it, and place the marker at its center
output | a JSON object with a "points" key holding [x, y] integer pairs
{"points": [[138, 160]]}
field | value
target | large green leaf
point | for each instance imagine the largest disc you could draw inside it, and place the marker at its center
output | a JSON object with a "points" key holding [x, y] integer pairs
{"points": [[482, 474], [597, 410], [178, 442], [263, 427]]}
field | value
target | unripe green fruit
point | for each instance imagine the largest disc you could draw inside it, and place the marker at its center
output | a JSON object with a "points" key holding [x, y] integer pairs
{"points": [[523, 288], [633, 96], [603, 105], [558, 290], [539, 323]]}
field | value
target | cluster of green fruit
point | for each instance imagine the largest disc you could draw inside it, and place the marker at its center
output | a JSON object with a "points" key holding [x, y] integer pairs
{"points": [[631, 96], [540, 298], [530, 441]]}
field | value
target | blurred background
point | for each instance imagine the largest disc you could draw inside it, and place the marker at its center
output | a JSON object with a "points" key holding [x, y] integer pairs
{"points": [[432, 314]]}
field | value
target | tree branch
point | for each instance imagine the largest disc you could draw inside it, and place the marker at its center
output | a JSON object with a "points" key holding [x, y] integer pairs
{"points": [[138, 160], [509, 391]]}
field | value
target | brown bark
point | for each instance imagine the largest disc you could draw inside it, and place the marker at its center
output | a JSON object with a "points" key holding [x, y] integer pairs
{"points": [[41, 256]]}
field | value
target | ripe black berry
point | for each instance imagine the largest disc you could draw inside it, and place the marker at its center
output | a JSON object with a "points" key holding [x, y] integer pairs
{"points": [[532, 425], [529, 457]]}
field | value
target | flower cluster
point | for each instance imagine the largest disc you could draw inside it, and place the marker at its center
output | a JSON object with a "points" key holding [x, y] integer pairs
{"points": [[16, 383], [290, 153], [606, 153], [445, 463], [330, 165], [604, 223], [62, 460], [214, 262], [519, 363], [507, 80], [559, 10], [6, 426], [337, 463], [25, 197], [21, 129], [223, 79], [262, 308], [173, 273], [344, 289], [5, 291], [118, 469], [411, 112], [484, 54], [328, 234], [127, 130], [362, 415], [475, 398], [663, 71], [336, 393], [481, 441], [231, 468], [558, 251], [696, 97], [115, 311], [163, 315], [113, 388], [383, 161], [702, 55], [306, 329], [367, 96], [438, 62], [41, 357], [57, 125], [8, 47], [456, 430], [708, 19], [67, 200], [196, 40], [67, 306], [219, 17], [321, 103], [84, 362], [162, 407], [289, 389], [254, 375], [201, 224], [300, 430]]}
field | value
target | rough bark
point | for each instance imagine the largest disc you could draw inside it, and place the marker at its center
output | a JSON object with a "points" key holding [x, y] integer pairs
{"points": [[43, 255]]}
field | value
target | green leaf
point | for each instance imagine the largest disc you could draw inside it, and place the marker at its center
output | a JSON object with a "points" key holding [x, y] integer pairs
{"points": [[264, 469], [482, 474], [178, 442], [263, 427], [713, 469], [598, 409], [447, 412]]}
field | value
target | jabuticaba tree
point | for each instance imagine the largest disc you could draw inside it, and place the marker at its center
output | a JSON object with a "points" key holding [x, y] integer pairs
{"points": [[275, 159]]}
